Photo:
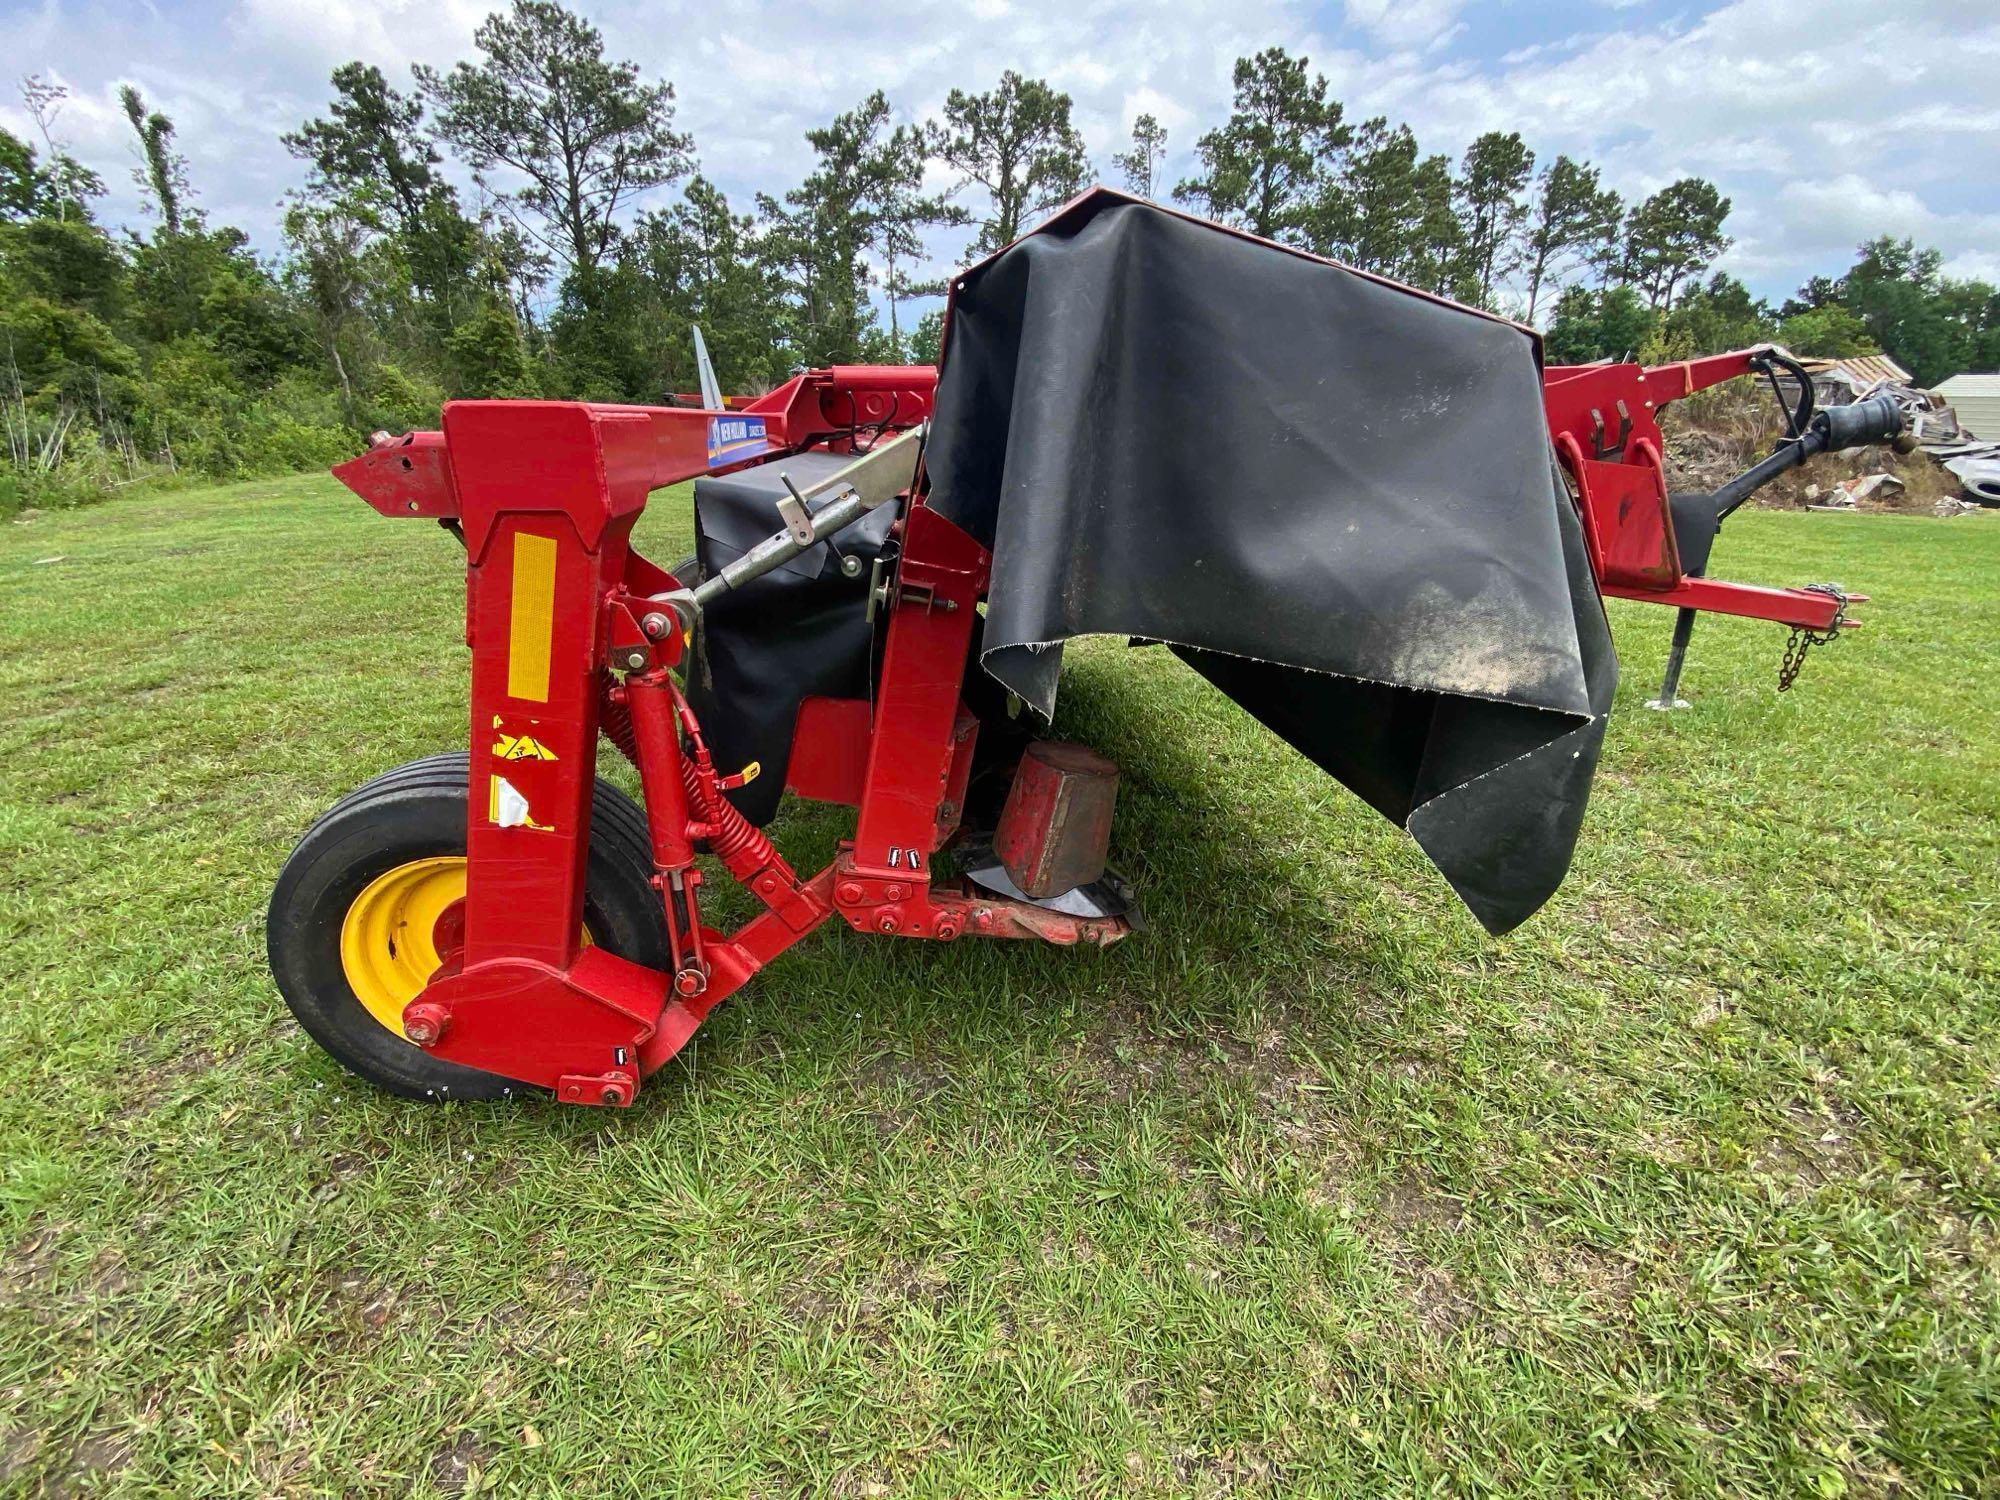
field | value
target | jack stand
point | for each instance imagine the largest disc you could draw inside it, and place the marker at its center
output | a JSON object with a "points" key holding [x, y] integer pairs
{"points": [[1667, 702]]}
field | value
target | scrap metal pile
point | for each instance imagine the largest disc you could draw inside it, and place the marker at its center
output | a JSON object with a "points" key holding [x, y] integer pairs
{"points": [[1369, 516], [1930, 421]]}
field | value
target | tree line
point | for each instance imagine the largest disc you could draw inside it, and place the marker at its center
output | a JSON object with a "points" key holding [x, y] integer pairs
{"points": [[589, 239]]}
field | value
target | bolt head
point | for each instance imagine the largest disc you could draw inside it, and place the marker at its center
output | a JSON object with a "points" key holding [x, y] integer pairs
{"points": [[849, 892], [612, 1094], [635, 660], [423, 1024], [893, 892], [886, 922]]}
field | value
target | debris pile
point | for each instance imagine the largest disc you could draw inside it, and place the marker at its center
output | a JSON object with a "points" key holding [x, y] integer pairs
{"points": [[1976, 464], [1717, 434]]}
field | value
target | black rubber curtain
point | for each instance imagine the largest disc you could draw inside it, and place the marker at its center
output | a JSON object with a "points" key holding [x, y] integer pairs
{"points": [[1333, 496]]}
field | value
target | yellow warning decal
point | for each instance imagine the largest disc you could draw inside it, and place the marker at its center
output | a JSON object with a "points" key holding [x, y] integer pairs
{"points": [[521, 747], [531, 618]]}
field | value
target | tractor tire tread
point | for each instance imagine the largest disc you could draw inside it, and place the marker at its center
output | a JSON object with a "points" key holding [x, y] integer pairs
{"points": [[414, 811]]}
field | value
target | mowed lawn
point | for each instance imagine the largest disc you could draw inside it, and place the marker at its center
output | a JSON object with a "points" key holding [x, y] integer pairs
{"points": [[1687, 1187]]}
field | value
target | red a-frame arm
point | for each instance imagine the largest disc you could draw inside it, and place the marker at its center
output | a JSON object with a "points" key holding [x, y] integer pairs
{"points": [[1604, 421]]}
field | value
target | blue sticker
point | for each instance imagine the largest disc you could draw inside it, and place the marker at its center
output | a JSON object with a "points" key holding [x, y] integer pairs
{"points": [[732, 438]]}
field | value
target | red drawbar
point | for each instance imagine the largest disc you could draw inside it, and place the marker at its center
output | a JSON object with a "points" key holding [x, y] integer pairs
{"points": [[1604, 421]]}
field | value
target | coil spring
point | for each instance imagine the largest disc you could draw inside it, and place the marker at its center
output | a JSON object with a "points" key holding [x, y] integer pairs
{"points": [[616, 720], [732, 838]]}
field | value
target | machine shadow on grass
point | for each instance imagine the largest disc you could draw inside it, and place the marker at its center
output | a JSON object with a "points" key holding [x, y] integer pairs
{"points": [[1234, 931]]}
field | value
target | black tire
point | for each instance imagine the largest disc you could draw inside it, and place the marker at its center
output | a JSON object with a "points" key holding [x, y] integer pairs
{"points": [[418, 811]]}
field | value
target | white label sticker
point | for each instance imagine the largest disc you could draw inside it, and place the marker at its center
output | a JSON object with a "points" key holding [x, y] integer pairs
{"points": [[510, 808]]}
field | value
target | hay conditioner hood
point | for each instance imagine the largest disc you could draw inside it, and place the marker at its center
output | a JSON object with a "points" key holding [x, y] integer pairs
{"points": [[1332, 495]]}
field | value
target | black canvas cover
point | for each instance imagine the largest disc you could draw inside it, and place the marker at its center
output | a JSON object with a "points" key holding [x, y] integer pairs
{"points": [[801, 631], [1333, 496]]}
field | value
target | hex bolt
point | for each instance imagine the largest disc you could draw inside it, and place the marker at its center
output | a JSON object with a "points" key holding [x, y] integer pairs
{"points": [[848, 894], [656, 626], [893, 892], [612, 1094], [424, 1024], [886, 922]]}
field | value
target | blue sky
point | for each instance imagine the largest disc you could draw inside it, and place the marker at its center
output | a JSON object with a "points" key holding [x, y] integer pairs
{"points": [[1781, 102]]}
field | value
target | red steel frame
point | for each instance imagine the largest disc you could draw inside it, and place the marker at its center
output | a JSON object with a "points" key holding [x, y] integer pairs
{"points": [[545, 495], [1604, 421]]}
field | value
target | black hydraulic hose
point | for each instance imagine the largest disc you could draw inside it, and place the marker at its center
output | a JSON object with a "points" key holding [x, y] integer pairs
{"points": [[1799, 415]]}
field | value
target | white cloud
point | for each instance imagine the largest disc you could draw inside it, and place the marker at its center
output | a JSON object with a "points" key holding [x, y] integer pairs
{"points": [[1975, 265], [1762, 96], [1406, 23], [1771, 98]]}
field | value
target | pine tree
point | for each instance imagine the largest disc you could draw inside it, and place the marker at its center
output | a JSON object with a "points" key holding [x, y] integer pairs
{"points": [[584, 130], [1141, 163], [374, 159], [1675, 234], [1491, 188], [1571, 222], [1016, 142], [1263, 169]]}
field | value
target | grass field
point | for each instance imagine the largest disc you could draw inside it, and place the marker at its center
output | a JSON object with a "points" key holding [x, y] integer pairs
{"points": [[1688, 1186]]}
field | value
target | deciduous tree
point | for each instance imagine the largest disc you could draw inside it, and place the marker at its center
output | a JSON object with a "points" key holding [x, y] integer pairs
{"points": [[70, 183], [1606, 323], [163, 175]]}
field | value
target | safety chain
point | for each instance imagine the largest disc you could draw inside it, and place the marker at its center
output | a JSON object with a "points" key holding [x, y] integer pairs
{"points": [[1802, 639]]}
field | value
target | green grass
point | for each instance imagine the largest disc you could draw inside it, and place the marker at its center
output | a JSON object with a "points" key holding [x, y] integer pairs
{"points": [[1687, 1187]]}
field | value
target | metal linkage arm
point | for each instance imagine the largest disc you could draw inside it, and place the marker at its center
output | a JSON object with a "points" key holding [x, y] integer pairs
{"points": [[871, 480]]}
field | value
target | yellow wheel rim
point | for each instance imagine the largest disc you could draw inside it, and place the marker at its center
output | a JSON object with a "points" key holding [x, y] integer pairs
{"points": [[387, 945], [388, 940]]}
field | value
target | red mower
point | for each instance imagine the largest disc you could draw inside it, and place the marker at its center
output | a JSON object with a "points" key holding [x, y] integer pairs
{"points": [[1367, 515]]}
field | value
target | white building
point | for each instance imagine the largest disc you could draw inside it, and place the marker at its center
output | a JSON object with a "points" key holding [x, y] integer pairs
{"points": [[1976, 399]]}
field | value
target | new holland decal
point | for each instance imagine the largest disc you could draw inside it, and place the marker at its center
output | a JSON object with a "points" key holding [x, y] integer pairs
{"points": [[733, 438]]}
